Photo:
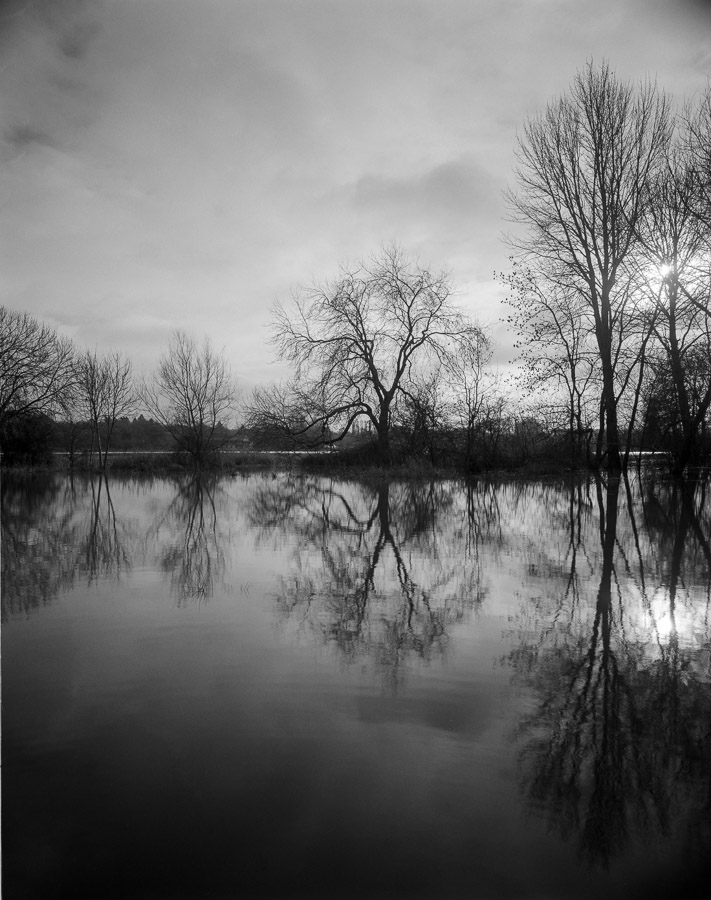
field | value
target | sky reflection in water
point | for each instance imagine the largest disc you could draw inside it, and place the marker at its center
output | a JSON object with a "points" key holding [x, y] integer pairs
{"points": [[297, 686]]}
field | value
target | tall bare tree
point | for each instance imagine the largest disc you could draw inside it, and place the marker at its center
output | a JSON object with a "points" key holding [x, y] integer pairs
{"points": [[106, 393], [584, 166], [191, 394], [36, 367], [676, 275], [358, 341]]}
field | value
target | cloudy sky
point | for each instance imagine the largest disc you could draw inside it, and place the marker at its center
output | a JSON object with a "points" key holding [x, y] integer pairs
{"points": [[183, 163]]}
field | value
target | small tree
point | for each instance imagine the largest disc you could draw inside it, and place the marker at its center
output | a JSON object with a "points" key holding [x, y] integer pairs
{"points": [[555, 348], [357, 342], [423, 414], [472, 391], [191, 393], [106, 393]]}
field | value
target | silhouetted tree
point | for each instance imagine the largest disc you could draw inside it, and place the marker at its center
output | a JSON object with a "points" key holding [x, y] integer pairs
{"points": [[191, 393], [555, 349], [36, 368], [355, 343], [698, 146], [422, 414], [106, 393], [473, 393], [584, 167], [675, 274]]}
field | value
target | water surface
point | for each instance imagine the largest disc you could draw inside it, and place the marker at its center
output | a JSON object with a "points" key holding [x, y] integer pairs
{"points": [[287, 686]]}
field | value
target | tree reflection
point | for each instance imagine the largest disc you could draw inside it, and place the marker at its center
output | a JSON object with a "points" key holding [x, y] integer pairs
{"points": [[194, 558], [373, 570], [39, 527], [56, 530], [104, 549], [618, 745]]}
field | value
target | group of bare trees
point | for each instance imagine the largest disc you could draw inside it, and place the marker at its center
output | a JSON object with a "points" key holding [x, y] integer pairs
{"points": [[610, 294], [612, 278], [43, 376]]}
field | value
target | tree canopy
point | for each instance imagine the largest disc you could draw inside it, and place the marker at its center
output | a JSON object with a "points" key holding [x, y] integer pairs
{"points": [[36, 367], [357, 344]]}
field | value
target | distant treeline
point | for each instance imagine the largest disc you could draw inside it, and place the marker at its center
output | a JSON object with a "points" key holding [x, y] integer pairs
{"points": [[504, 442], [37, 438]]}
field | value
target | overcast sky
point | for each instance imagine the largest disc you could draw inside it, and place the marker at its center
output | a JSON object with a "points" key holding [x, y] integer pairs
{"points": [[183, 163]]}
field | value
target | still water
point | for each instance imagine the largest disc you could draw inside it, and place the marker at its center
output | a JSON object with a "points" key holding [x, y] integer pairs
{"points": [[295, 686]]}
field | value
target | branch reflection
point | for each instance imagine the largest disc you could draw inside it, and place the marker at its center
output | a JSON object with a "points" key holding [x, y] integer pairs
{"points": [[104, 550], [40, 527], [373, 570], [55, 530], [194, 557], [618, 747]]}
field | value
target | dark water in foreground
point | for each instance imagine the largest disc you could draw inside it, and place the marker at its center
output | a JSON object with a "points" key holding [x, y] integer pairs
{"points": [[304, 687]]}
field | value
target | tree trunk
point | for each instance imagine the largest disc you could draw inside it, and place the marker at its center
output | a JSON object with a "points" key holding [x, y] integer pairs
{"points": [[600, 435], [685, 451], [383, 430], [384, 443], [614, 462], [609, 401]]}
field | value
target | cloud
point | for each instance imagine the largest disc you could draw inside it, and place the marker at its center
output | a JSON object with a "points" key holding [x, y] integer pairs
{"points": [[75, 41], [47, 88], [194, 160], [700, 7], [449, 191], [20, 137]]}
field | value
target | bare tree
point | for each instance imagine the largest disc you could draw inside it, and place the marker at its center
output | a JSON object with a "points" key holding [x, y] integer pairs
{"points": [[106, 393], [36, 367], [555, 349], [358, 341], [698, 146], [423, 413], [584, 166], [675, 275], [473, 394], [191, 394]]}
